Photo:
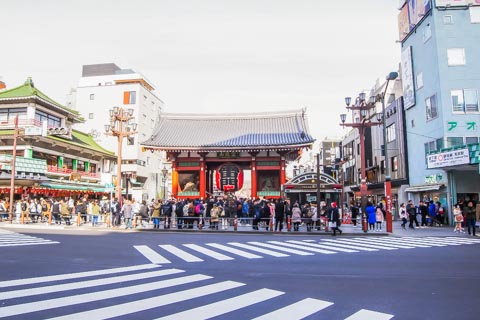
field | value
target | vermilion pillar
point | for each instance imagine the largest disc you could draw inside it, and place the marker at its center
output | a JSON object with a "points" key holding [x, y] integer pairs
{"points": [[202, 178], [253, 166], [174, 177], [283, 177]]}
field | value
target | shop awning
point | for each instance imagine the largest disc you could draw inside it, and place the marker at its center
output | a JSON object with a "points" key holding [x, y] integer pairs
{"points": [[71, 187], [426, 187]]}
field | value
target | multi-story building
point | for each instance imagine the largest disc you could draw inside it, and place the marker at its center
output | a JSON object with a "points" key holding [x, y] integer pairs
{"points": [[441, 90], [103, 86], [53, 159]]}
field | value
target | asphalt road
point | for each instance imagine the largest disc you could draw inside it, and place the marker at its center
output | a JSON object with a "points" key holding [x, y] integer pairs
{"points": [[135, 275]]}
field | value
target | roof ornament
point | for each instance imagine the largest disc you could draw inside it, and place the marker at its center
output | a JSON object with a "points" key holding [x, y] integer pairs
{"points": [[29, 82]]}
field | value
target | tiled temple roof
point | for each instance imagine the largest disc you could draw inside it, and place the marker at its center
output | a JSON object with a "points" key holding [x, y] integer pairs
{"points": [[270, 131]]}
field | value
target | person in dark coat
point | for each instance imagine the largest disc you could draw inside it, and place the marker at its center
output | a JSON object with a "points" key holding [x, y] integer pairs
{"points": [[334, 216], [412, 214]]}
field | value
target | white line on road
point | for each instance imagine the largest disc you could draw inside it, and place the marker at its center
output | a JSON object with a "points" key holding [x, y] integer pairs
{"points": [[241, 253], [86, 284], [208, 252], [369, 315], [180, 253], [150, 303], [151, 255], [296, 311], [271, 246], [302, 246], [20, 282], [322, 246], [224, 306], [99, 295], [256, 249]]}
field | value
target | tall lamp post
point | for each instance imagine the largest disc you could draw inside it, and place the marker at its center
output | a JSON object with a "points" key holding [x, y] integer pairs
{"points": [[164, 177], [11, 207], [388, 180], [362, 108], [121, 125]]}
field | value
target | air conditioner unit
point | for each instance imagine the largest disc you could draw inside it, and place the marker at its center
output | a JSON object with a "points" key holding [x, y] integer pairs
{"points": [[57, 131]]}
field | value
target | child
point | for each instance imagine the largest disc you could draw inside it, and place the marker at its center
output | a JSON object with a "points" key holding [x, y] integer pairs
{"points": [[457, 214]]}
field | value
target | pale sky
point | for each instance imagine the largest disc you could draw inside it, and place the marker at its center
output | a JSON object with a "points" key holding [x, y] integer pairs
{"points": [[209, 55]]}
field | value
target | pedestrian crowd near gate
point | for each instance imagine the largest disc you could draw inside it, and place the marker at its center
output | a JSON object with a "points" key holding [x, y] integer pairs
{"points": [[227, 212]]}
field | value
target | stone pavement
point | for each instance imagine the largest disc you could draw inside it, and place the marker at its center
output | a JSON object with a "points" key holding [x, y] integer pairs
{"points": [[348, 230]]}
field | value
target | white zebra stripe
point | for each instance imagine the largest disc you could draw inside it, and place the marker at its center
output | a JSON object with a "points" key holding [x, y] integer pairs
{"points": [[373, 241], [364, 245], [322, 246], [180, 253], [85, 284], [304, 247], [343, 244], [406, 242], [369, 315], [150, 303], [261, 250], [95, 296], [296, 311], [228, 305], [281, 248], [151, 255], [26, 244], [241, 253], [68, 276], [208, 252]]}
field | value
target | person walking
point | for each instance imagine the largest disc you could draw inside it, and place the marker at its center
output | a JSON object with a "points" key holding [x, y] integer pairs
{"points": [[403, 214], [354, 212], [371, 213], [279, 213], [470, 215], [127, 212], [334, 219], [412, 214]]}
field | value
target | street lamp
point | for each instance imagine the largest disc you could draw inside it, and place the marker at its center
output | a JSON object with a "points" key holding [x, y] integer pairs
{"points": [[164, 176], [362, 108], [121, 125], [388, 180]]}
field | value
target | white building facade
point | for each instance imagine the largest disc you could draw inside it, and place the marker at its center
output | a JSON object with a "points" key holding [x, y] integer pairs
{"points": [[103, 86]]}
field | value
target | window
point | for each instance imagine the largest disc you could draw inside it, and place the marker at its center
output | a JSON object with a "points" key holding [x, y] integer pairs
{"points": [[394, 165], [475, 14], [447, 19], [439, 143], [431, 107], [456, 56], [391, 133], [92, 96], [454, 141], [471, 140], [430, 147], [52, 121], [8, 114], [471, 100], [90, 115], [129, 97], [465, 100], [419, 81], [427, 33]]}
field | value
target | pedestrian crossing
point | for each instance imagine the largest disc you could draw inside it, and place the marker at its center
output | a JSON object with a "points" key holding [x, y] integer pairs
{"points": [[13, 239], [165, 254], [151, 292]]}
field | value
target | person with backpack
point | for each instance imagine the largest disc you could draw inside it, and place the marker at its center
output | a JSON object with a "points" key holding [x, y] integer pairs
{"points": [[55, 209], [167, 210], [179, 213]]}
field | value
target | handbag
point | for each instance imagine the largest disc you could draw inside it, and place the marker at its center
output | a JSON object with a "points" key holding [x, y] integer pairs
{"points": [[332, 224]]}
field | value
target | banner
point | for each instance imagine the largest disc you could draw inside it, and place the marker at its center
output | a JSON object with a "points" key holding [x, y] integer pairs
{"points": [[448, 158], [456, 3], [407, 78]]}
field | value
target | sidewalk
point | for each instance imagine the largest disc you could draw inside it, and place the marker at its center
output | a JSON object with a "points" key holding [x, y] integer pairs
{"points": [[348, 230]]}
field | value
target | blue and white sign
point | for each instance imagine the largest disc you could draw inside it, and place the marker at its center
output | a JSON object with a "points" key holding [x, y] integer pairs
{"points": [[448, 158]]}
